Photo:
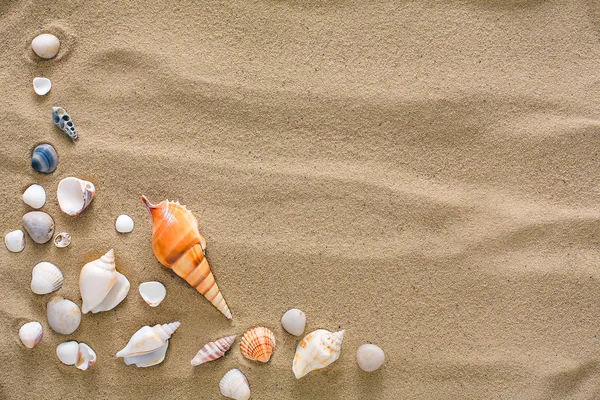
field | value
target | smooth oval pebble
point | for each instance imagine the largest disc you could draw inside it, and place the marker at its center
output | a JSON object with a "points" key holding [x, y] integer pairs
{"points": [[153, 293], [41, 86], [369, 357], [44, 158], [124, 224], [63, 315], [294, 321], [35, 196], [15, 241], [39, 226], [45, 45]]}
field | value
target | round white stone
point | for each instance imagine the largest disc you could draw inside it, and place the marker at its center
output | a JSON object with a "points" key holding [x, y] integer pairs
{"points": [[15, 241], [369, 357], [35, 196], [124, 224], [41, 85], [45, 45], [294, 321]]}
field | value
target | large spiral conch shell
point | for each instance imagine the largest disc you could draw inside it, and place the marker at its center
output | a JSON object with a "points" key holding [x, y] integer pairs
{"points": [[148, 346], [178, 245], [213, 350], [258, 344], [74, 195], [102, 287], [317, 350]]}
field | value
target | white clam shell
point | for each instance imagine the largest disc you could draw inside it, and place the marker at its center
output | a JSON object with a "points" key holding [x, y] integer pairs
{"points": [[294, 321], [63, 315], [148, 339], [115, 296], [35, 196], [46, 278], [124, 224], [45, 45], [15, 241], [74, 195], [31, 333], [369, 357], [62, 239], [41, 86], [96, 282], [86, 357], [149, 359], [235, 385], [153, 293], [67, 352], [317, 350], [39, 226]]}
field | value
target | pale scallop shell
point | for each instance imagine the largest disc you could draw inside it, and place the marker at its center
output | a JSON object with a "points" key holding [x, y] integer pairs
{"points": [[124, 224], [34, 196], [62, 239], [153, 293], [63, 315], [74, 195], [258, 344], [15, 241], [41, 86], [31, 333], [46, 278], [235, 385], [294, 321], [317, 350], [67, 352], [213, 350]]}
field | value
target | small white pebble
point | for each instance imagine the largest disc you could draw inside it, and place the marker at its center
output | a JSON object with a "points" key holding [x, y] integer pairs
{"points": [[41, 85], [15, 241], [45, 45], [124, 224], [369, 357], [294, 321]]}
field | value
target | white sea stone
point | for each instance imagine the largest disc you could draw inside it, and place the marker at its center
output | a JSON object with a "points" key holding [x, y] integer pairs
{"points": [[124, 224], [41, 86], [63, 315], [15, 241], [294, 321], [369, 357], [45, 45]]}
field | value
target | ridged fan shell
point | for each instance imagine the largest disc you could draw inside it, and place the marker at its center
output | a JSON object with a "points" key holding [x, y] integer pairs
{"points": [[235, 385], [46, 278], [258, 344], [31, 333]]}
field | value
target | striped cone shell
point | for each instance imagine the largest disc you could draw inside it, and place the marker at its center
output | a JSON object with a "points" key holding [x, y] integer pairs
{"points": [[258, 344], [213, 350]]}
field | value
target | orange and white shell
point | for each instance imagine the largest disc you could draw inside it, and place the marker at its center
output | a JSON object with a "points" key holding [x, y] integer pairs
{"points": [[213, 350], [317, 350], [178, 245], [258, 344]]}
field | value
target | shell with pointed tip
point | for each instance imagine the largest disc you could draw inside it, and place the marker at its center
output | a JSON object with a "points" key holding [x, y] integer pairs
{"points": [[62, 239], [63, 120], [153, 293], [178, 245], [31, 333], [39, 226], [44, 158], [63, 315], [213, 350], [74, 195], [235, 385], [41, 86], [67, 352], [102, 287], [148, 359], [317, 350], [15, 241], [35, 196], [45, 45], [46, 278], [148, 339], [86, 357], [294, 321], [258, 344]]}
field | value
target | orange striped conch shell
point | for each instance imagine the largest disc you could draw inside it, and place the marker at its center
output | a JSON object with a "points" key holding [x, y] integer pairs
{"points": [[258, 344], [178, 245]]}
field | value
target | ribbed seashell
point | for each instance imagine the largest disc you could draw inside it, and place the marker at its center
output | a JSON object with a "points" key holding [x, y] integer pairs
{"points": [[148, 339], [44, 158], [62, 239], [153, 293], [213, 350], [74, 195], [45, 45], [46, 278], [39, 226], [15, 241], [235, 385], [31, 333], [63, 120], [317, 350], [294, 321], [34, 196], [41, 86], [258, 344], [79, 354], [102, 287], [178, 245], [63, 315]]}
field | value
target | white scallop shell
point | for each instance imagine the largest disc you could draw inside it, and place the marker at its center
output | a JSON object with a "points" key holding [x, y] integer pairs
{"points": [[294, 321], [67, 352], [74, 195], [153, 293], [62, 239], [86, 357], [41, 86], [63, 315], [35, 196], [124, 224], [46, 278], [317, 350], [97, 280], [15, 241], [31, 333], [369, 357], [235, 385], [45, 45]]}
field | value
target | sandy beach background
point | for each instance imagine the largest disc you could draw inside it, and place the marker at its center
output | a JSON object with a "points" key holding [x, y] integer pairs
{"points": [[422, 174]]}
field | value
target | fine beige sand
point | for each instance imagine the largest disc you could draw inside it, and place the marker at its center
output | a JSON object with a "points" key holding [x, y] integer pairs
{"points": [[424, 175]]}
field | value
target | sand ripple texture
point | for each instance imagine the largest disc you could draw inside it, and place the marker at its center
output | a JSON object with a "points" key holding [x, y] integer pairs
{"points": [[422, 174]]}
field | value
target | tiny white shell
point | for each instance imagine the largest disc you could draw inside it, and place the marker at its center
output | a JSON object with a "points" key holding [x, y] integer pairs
{"points": [[86, 357], [67, 352], [124, 224], [235, 385], [15, 241], [369, 357], [41, 86], [153, 293], [63, 315], [46, 278], [62, 239], [294, 321], [35, 196], [45, 45], [31, 333]]}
